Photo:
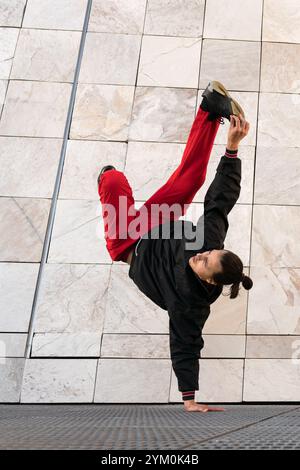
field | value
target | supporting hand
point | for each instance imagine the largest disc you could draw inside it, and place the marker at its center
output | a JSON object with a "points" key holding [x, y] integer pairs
{"points": [[191, 405], [238, 129]]}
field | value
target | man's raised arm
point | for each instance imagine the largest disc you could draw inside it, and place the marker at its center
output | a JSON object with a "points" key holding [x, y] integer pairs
{"points": [[224, 190]]}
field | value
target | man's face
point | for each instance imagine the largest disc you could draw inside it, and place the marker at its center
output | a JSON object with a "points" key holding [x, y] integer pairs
{"points": [[206, 264]]}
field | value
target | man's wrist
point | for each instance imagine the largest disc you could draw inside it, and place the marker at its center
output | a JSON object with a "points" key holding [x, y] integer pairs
{"points": [[231, 153], [232, 146]]}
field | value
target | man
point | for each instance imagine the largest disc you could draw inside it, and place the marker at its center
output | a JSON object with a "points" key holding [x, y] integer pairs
{"points": [[180, 267]]}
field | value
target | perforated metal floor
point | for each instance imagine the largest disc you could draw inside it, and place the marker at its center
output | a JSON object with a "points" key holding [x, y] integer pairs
{"points": [[157, 427]]}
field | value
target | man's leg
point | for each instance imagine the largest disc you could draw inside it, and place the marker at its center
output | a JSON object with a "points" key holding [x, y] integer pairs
{"points": [[117, 211], [190, 175]]}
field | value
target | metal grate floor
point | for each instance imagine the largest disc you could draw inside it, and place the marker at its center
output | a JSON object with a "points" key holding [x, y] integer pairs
{"points": [[157, 427]]}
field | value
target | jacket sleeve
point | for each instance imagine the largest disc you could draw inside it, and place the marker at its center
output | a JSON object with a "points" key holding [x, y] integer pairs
{"points": [[220, 198], [186, 343]]}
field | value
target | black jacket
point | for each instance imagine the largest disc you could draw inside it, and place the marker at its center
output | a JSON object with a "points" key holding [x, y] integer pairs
{"points": [[160, 269]]}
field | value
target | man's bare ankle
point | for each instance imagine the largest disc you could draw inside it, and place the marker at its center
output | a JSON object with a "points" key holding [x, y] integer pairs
{"points": [[232, 146]]}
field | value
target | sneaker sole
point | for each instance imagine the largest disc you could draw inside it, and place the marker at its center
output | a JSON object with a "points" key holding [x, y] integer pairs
{"points": [[236, 108]]}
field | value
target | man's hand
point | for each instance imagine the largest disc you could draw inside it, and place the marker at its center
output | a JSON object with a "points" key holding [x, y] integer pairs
{"points": [[191, 405], [238, 129]]}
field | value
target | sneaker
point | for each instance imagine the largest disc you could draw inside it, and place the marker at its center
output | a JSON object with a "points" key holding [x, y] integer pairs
{"points": [[105, 168], [218, 102]]}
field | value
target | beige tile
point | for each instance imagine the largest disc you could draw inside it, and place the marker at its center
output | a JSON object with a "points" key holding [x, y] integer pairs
{"points": [[117, 16], [23, 226], [277, 164], [66, 345], [29, 166], [228, 316], [59, 381], [11, 380], [281, 24], [228, 20], [169, 62], [223, 346], [173, 18], [55, 14], [102, 112], [97, 64], [239, 232], [234, 63], [12, 345], [280, 68], [122, 345], [278, 250], [273, 130], [72, 299], [272, 347], [136, 313], [35, 109], [3, 88], [78, 233], [272, 380], [220, 380], [17, 286], [150, 164], [139, 346], [11, 12], [162, 114], [46, 55], [83, 162], [249, 103], [274, 301], [8, 42], [127, 381]]}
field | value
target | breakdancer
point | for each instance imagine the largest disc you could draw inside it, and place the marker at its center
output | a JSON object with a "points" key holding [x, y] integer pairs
{"points": [[179, 266]]}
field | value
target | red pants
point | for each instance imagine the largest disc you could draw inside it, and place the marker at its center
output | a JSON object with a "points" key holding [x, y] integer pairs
{"points": [[180, 190]]}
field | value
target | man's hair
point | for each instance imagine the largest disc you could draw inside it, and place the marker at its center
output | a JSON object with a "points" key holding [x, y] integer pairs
{"points": [[232, 273]]}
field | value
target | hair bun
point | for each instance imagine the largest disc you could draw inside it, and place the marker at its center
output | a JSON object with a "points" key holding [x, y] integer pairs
{"points": [[246, 281]]}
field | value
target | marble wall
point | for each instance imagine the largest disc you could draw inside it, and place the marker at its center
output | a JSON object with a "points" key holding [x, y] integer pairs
{"points": [[145, 64]]}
